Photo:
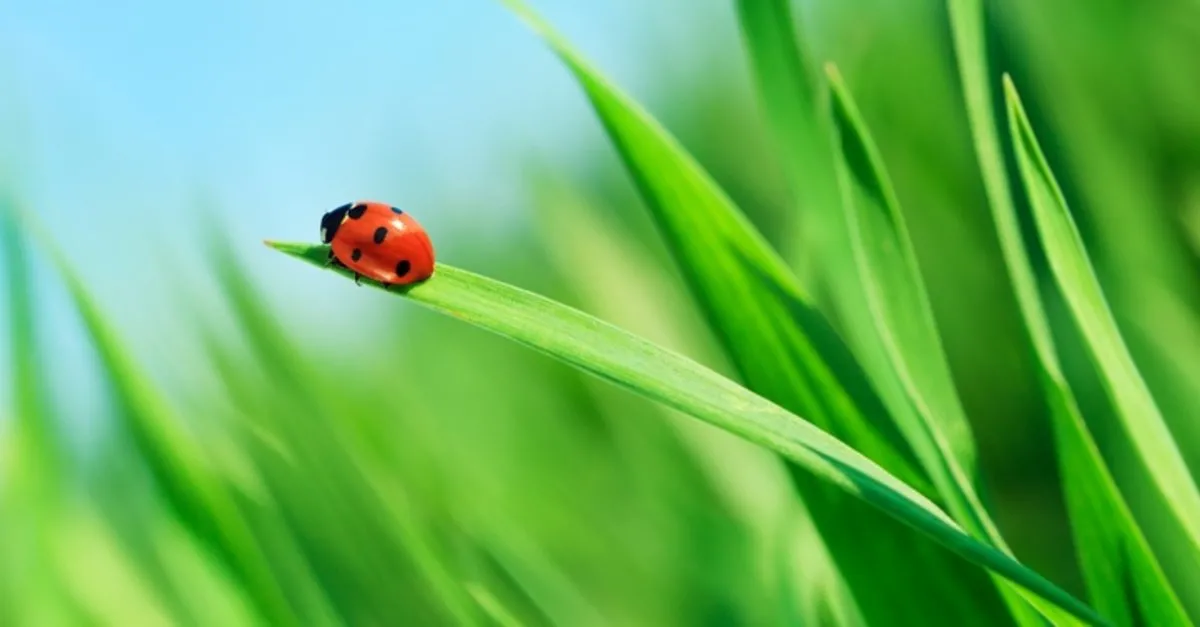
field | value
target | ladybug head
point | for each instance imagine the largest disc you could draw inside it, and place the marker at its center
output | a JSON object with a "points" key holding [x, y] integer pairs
{"points": [[331, 221]]}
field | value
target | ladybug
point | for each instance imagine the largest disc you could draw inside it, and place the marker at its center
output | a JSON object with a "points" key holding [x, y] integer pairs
{"points": [[378, 241]]}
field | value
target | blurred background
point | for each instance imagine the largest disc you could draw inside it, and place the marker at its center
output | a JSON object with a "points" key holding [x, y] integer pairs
{"points": [[159, 144]]}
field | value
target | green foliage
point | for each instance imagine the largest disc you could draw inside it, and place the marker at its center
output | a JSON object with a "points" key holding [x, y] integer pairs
{"points": [[614, 355], [724, 434], [1117, 553]]}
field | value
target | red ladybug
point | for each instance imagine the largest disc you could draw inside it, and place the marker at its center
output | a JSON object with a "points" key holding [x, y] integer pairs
{"points": [[378, 241]]}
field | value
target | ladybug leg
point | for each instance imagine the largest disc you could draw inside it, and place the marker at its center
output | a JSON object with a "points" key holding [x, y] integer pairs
{"points": [[357, 277]]}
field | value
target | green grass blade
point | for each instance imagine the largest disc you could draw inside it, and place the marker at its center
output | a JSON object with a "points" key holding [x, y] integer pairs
{"points": [[900, 305], [1113, 553], [493, 607], [330, 436], [1112, 549], [1137, 411], [800, 119], [597, 258], [682, 384], [179, 466], [32, 496], [747, 292], [37, 442], [1123, 382], [785, 350], [788, 87], [935, 424]]}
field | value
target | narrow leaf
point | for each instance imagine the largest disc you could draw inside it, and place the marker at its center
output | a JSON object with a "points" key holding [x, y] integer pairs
{"points": [[614, 355], [933, 419], [797, 106], [31, 498], [776, 339], [1137, 411], [1111, 547], [1123, 382], [177, 463], [789, 88]]}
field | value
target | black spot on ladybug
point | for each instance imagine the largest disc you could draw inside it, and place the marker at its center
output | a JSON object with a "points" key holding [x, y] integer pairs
{"points": [[402, 268], [357, 211], [396, 210], [356, 255], [380, 233]]}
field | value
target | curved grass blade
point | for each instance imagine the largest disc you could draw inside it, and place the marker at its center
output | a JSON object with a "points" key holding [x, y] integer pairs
{"points": [[33, 495], [899, 304], [934, 420], [596, 258], [1123, 382], [317, 427], [1123, 545], [787, 351], [1112, 549], [777, 341], [177, 464], [628, 361], [37, 442]]}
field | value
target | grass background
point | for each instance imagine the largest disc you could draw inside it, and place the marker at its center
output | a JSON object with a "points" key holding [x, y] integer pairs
{"points": [[384, 465]]}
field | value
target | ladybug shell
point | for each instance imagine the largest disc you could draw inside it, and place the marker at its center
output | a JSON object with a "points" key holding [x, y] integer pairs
{"points": [[384, 244]]}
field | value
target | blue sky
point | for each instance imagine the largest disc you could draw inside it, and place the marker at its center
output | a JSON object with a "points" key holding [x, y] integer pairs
{"points": [[119, 117]]}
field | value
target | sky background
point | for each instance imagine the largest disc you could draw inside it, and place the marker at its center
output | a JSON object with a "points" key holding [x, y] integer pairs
{"points": [[122, 120]]}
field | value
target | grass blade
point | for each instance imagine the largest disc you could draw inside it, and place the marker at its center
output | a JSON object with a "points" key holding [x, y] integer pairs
{"points": [[934, 420], [597, 259], [178, 465], [785, 350], [789, 88], [37, 443], [635, 364], [33, 495], [1136, 409], [1112, 549], [747, 292], [899, 304], [1123, 382]]}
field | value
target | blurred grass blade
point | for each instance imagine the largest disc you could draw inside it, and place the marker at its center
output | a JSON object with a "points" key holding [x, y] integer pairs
{"points": [[32, 496], [178, 465], [635, 364], [1140, 417], [322, 428], [935, 423], [493, 607], [788, 86], [37, 444]]}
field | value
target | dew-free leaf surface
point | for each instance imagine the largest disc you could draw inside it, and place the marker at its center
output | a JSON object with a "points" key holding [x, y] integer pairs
{"points": [[619, 357]]}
